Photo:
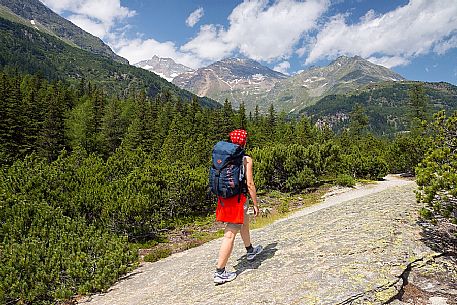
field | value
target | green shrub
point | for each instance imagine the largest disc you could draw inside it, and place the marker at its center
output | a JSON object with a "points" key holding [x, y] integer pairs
{"points": [[345, 180], [47, 256], [65, 225], [157, 254], [293, 167], [437, 172], [301, 180], [406, 151], [361, 165]]}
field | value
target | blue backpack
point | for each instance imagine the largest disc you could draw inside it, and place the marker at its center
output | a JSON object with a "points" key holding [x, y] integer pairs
{"points": [[226, 175]]}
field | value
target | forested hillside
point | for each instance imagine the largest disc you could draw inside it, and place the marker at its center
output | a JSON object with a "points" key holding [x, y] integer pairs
{"points": [[35, 14], [27, 50], [387, 105]]}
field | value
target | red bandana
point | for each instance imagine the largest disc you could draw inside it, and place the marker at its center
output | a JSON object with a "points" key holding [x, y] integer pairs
{"points": [[238, 136]]}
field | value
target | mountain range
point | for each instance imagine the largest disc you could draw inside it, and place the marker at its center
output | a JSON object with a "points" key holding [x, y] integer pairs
{"points": [[245, 80], [386, 104], [325, 94]]}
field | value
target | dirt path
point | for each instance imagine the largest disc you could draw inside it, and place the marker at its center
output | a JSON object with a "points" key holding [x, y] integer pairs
{"points": [[353, 248]]}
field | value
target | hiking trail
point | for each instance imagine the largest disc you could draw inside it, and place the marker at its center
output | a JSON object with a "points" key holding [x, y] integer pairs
{"points": [[352, 248]]}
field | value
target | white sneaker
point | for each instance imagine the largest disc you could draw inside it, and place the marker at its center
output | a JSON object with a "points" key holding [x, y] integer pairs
{"points": [[226, 276], [251, 255]]}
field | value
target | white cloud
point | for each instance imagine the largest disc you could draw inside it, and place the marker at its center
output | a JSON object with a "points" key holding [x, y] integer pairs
{"points": [[138, 49], [96, 17], [445, 45], [394, 38], [282, 67], [194, 17], [208, 44], [96, 28], [389, 61], [259, 30], [59, 6]]}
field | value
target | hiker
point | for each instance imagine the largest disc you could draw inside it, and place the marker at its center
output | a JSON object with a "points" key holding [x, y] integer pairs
{"points": [[233, 211]]}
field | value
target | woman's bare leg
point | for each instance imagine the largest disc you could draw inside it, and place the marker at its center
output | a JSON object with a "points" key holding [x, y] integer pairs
{"points": [[226, 246], [245, 235]]}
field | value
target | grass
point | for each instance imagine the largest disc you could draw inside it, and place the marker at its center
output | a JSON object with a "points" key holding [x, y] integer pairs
{"points": [[284, 204], [366, 181]]}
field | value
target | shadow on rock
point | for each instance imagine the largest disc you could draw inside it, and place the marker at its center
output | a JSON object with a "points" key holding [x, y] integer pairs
{"points": [[267, 253], [129, 275], [441, 237]]}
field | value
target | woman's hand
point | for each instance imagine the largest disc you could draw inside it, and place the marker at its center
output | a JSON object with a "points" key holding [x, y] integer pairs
{"points": [[256, 210]]}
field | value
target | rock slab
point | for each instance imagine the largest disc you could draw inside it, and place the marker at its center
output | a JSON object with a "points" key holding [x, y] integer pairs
{"points": [[350, 252]]}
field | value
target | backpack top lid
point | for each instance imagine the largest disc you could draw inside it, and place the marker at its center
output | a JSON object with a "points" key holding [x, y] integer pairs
{"points": [[225, 153]]}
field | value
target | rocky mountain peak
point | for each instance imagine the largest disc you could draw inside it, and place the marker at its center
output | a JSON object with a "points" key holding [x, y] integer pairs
{"points": [[235, 68], [346, 60], [236, 79], [164, 67]]}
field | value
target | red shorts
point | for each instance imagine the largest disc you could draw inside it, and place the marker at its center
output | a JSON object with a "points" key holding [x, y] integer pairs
{"points": [[230, 210]]}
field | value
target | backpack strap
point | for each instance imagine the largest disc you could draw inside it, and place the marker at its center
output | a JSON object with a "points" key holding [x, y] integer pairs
{"points": [[242, 169], [216, 180], [242, 178]]}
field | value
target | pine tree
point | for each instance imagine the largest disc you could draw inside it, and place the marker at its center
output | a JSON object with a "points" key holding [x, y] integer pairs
{"points": [[305, 131], [51, 137], [98, 102], [11, 128], [135, 135], [284, 132], [112, 127], [81, 91], [32, 117], [150, 138], [164, 119], [241, 117], [218, 126], [4, 118], [358, 120], [271, 119], [418, 101], [419, 114], [256, 114], [227, 122], [79, 126], [172, 148]]}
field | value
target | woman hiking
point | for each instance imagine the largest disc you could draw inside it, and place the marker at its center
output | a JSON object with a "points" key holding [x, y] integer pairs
{"points": [[233, 211]]}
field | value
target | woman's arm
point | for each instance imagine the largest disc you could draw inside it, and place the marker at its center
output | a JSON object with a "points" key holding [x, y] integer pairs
{"points": [[251, 185]]}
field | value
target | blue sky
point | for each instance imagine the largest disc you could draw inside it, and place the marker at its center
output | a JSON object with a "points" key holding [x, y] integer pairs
{"points": [[416, 38]]}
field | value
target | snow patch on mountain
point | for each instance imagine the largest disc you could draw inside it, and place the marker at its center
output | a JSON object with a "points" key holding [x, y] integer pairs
{"points": [[258, 77], [314, 79], [164, 67]]}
